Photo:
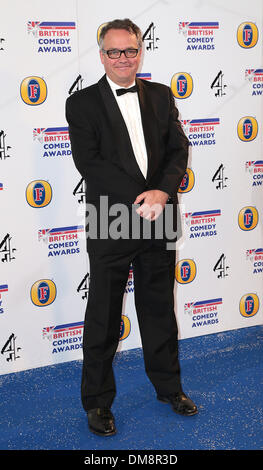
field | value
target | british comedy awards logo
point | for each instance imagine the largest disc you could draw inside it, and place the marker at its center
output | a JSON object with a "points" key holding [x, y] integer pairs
{"points": [[63, 338], [62, 241], [200, 36], [201, 132], [255, 79], [52, 36], [54, 141], [255, 170], [202, 224], [255, 256], [130, 282], [144, 75], [68, 337], [204, 313], [3, 290]]}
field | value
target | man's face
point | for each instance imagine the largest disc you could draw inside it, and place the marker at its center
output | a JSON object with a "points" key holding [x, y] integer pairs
{"points": [[121, 71]]}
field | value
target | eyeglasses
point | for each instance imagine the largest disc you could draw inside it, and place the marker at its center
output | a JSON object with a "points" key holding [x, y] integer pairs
{"points": [[116, 53]]}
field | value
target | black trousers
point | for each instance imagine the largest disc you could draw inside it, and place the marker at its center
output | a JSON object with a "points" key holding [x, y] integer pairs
{"points": [[154, 268]]}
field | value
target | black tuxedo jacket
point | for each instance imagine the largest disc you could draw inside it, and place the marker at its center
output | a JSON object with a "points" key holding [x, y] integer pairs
{"points": [[102, 150]]}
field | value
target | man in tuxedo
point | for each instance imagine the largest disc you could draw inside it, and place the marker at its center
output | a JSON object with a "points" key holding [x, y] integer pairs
{"points": [[128, 145]]}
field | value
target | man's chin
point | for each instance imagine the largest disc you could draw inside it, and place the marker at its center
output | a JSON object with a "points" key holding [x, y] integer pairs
{"points": [[124, 80], [124, 74]]}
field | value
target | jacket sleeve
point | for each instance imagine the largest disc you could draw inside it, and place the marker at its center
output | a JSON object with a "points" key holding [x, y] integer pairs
{"points": [[176, 155], [85, 141]]}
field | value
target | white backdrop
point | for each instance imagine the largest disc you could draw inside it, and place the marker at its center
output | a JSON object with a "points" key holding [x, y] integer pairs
{"points": [[210, 53]]}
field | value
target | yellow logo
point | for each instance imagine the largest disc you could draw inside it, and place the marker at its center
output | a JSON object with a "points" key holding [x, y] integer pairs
{"points": [[43, 292], [38, 193], [125, 327], [247, 35], [182, 85], [185, 271], [33, 90], [248, 218], [247, 128], [249, 305], [188, 181], [99, 30]]}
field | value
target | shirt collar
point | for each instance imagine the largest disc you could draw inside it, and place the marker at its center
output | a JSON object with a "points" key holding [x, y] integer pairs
{"points": [[115, 87]]}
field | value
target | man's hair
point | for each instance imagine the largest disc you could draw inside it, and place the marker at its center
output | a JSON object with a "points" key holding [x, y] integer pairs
{"points": [[126, 24]]}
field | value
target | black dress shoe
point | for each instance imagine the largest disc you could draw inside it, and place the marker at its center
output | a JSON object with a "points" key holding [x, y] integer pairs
{"points": [[101, 421], [180, 403]]}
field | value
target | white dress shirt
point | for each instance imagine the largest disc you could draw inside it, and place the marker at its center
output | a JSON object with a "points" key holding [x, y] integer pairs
{"points": [[130, 109]]}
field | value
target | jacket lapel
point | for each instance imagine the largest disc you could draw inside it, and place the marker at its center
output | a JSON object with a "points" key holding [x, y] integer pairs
{"points": [[150, 127], [120, 135]]}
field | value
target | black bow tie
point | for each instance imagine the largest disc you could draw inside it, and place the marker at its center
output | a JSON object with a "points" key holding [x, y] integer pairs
{"points": [[122, 91]]}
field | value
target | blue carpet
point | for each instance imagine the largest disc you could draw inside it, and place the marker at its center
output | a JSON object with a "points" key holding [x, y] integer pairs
{"points": [[222, 373]]}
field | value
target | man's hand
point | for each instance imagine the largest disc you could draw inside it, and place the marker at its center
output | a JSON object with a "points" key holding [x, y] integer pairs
{"points": [[153, 205]]}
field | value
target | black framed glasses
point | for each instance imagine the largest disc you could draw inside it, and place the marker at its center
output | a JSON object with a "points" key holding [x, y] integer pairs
{"points": [[116, 53]]}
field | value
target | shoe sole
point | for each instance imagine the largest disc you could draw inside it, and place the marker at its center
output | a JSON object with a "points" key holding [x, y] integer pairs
{"points": [[102, 434], [167, 402]]}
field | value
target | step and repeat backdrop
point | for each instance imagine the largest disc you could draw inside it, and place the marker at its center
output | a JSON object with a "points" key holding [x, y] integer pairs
{"points": [[210, 54]]}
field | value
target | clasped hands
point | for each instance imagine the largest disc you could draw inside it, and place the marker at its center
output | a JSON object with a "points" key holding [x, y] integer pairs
{"points": [[154, 201]]}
